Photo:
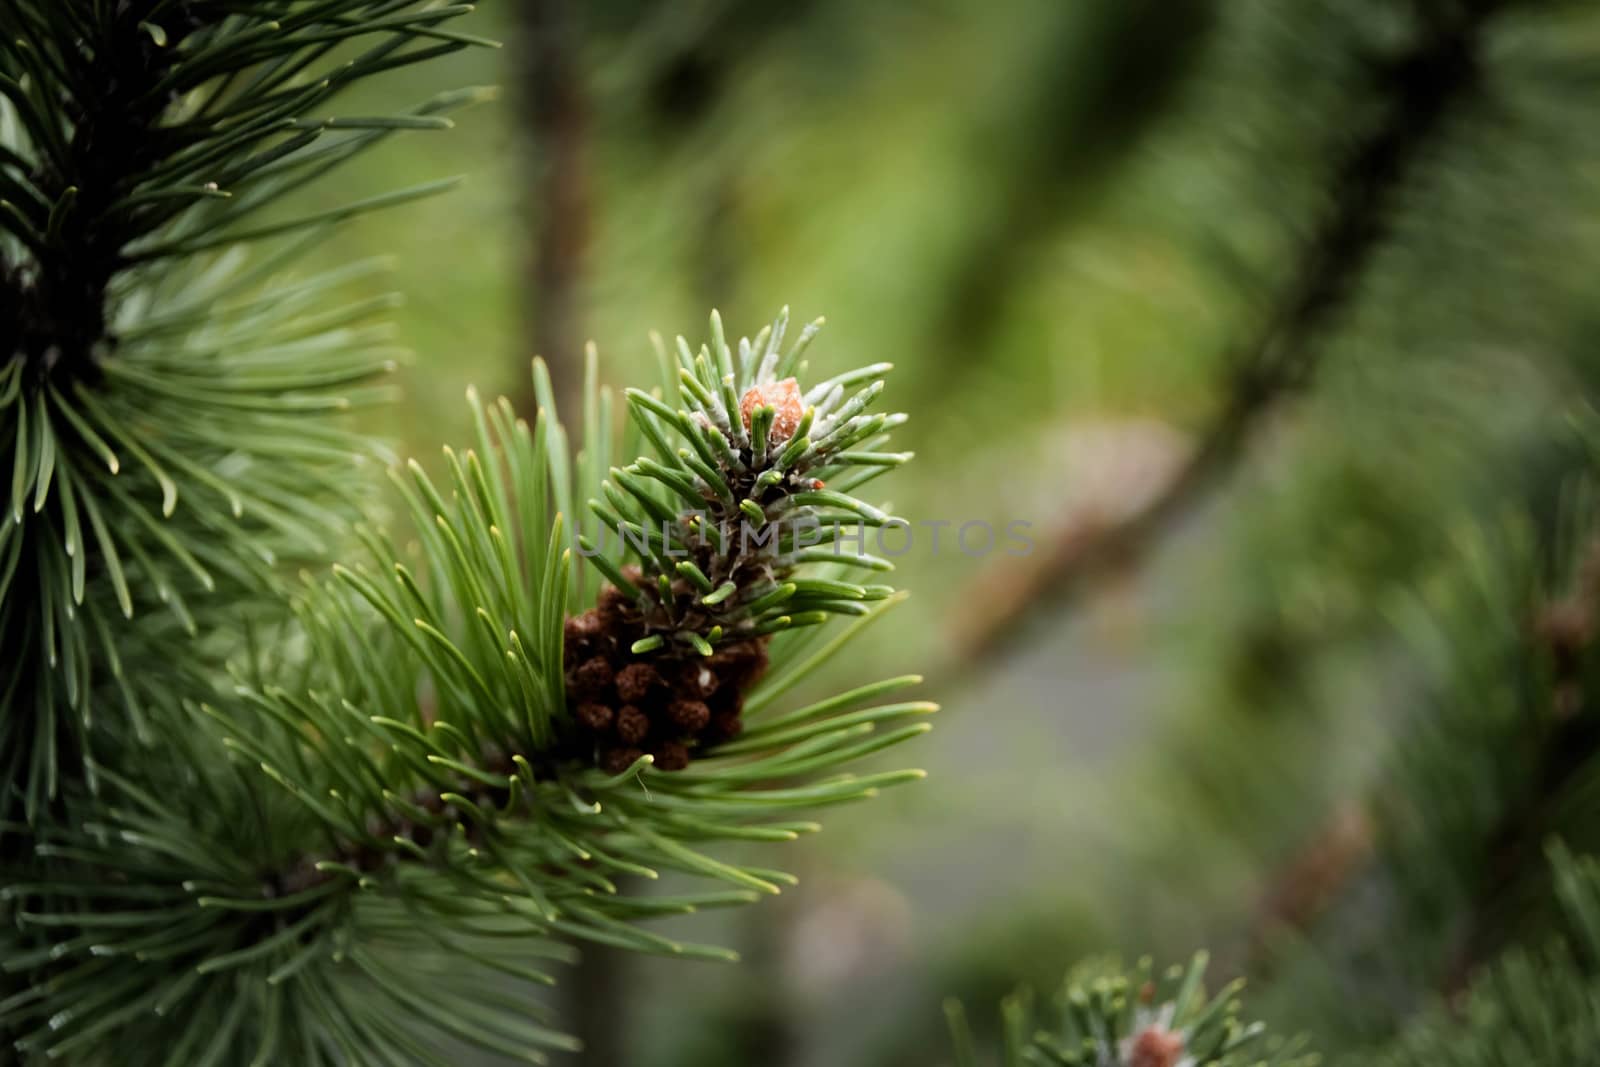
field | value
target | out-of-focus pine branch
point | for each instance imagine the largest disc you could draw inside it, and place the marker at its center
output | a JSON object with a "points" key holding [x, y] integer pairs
{"points": [[1534, 1006], [1421, 88], [1498, 761], [1108, 1018]]}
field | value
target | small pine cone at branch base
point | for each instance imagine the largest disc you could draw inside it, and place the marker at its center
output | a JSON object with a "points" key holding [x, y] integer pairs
{"points": [[581, 638], [742, 663], [672, 702], [596, 718], [637, 681], [633, 726], [614, 616], [617, 760], [690, 716], [695, 681], [671, 755], [593, 676]]}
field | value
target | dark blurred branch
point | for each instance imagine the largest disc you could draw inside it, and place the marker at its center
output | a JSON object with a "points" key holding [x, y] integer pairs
{"points": [[1275, 361], [597, 999], [1313, 880], [1107, 72], [555, 125]]}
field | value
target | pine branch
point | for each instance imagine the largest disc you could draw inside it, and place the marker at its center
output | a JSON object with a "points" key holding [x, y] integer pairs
{"points": [[419, 772], [165, 403], [72, 211], [454, 748], [1135, 1019], [1422, 88]]}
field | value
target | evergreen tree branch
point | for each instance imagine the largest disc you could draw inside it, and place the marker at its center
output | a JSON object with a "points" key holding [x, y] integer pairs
{"points": [[165, 404], [1108, 1018], [421, 772]]}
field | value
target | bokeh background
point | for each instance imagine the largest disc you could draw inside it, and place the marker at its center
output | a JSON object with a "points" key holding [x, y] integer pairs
{"points": [[1101, 241]]}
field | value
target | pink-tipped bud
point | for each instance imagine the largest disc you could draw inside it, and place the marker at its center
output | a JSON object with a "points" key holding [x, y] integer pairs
{"points": [[1155, 1047], [784, 398]]}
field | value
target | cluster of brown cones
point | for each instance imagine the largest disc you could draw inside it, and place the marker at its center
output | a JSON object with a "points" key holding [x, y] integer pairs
{"points": [[669, 703]]}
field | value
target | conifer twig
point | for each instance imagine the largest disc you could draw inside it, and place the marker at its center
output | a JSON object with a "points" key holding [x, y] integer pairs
{"points": [[431, 765], [145, 379]]}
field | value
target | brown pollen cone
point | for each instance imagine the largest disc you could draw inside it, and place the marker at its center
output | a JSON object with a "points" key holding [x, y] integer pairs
{"points": [[695, 680], [637, 681], [671, 755], [690, 716], [596, 718], [593, 676], [581, 638], [671, 702], [633, 725], [742, 662], [617, 760]]}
